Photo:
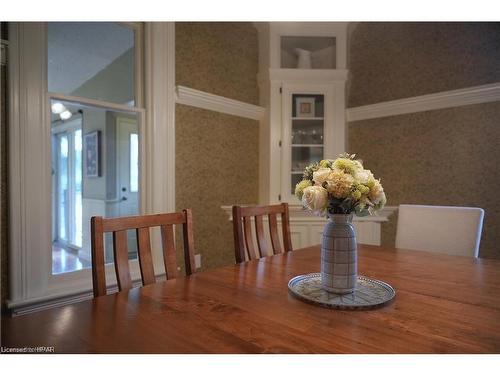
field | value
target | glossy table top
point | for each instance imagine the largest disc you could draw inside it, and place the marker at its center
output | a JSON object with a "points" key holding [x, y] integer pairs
{"points": [[444, 304]]}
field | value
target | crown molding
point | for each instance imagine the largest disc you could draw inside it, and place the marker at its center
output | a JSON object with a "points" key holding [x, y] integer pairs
{"points": [[205, 100], [440, 100]]}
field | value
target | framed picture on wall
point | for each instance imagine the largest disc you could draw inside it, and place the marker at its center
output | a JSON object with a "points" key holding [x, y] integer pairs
{"points": [[305, 106], [92, 152]]}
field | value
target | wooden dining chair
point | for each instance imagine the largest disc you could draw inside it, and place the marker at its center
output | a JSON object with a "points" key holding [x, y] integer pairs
{"points": [[119, 226], [242, 230]]}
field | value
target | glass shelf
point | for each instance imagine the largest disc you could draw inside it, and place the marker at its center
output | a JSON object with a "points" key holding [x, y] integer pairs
{"points": [[307, 145]]}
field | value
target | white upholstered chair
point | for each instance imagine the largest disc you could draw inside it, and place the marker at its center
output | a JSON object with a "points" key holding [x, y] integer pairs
{"points": [[440, 229]]}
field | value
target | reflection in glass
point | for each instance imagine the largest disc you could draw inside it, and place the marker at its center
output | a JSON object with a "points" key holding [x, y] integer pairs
{"points": [[134, 162], [62, 177], [303, 156], [307, 132], [80, 193], [92, 60]]}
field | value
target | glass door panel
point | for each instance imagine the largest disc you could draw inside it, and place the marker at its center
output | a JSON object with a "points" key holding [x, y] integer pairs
{"points": [[96, 169], [307, 133]]}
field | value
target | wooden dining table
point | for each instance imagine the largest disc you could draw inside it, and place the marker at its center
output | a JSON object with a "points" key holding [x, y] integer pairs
{"points": [[443, 304]]}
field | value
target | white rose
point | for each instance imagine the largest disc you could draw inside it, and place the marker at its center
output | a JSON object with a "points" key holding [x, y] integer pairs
{"points": [[315, 198], [321, 175], [363, 175]]}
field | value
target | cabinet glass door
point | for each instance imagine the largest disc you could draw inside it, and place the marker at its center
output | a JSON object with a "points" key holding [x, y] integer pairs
{"points": [[307, 133]]}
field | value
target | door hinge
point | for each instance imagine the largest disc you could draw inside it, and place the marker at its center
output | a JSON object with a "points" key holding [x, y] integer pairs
{"points": [[281, 90], [279, 197], [279, 143]]}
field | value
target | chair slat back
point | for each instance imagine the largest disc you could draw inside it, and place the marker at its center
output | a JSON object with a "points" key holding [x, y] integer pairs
{"points": [[120, 254], [141, 224], [243, 236], [169, 256], [145, 258]]}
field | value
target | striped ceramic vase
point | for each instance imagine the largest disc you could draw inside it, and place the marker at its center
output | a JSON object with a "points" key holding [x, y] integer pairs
{"points": [[339, 258]]}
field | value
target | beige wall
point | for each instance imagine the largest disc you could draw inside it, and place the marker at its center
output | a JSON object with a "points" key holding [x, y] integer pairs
{"points": [[216, 154], [440, 157], [216, 164]]}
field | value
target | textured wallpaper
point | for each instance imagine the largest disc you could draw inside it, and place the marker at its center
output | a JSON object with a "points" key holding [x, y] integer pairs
{"points": [[217, 155], [216, 164], [218, 57], [393, 60], [441, 157]]}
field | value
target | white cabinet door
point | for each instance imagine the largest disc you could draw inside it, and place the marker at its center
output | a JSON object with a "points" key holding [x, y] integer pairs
{"points": [[299, 235], [316, 233], [310, 234], [367, 232]]}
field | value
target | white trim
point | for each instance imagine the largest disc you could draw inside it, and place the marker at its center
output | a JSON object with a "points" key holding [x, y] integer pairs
{"points": [[30, 160], [158, 144], [304, 75], [160, 116], [30, 179], [95, 103], [440, 100], [212, 102]]}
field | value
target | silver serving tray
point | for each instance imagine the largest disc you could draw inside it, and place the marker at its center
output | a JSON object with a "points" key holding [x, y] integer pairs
{"points": [[369, 293]]}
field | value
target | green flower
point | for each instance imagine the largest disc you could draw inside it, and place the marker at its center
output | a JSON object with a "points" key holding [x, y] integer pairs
{"points": [[299, 188], [371, 183], [363, 189], [348, 165], [325, 163], [356, 194]]}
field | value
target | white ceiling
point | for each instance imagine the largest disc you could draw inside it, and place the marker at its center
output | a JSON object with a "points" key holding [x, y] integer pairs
{"points": [[77, 51]]}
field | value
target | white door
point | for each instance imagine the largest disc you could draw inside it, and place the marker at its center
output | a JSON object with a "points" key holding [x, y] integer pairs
{"points": [[127, 178], [127, 166]]}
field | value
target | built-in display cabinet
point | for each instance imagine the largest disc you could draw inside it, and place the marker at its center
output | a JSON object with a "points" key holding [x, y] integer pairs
{"points": [[302, 81]]}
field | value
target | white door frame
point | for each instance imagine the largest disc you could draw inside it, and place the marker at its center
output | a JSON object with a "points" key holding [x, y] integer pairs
{"points": [[30, 242]]}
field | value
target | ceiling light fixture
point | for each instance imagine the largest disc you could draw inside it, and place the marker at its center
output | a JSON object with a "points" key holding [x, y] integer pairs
{"points": [[58, 108], [65, 115]]}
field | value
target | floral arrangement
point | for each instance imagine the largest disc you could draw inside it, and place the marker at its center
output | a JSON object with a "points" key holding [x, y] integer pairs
{"points": [[340, 186]]}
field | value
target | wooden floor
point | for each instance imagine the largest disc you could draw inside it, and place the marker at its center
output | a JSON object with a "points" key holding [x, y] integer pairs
{"points": [[66, 261]]}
